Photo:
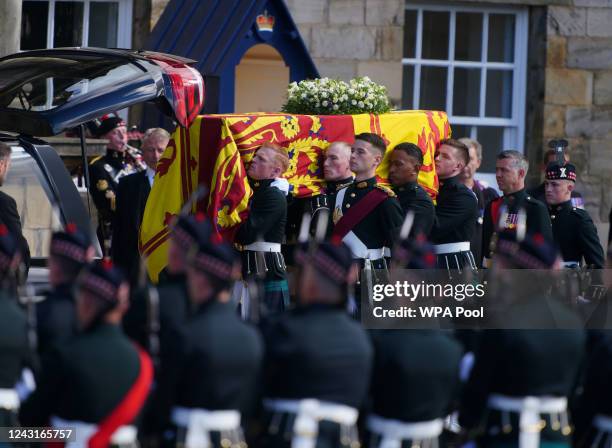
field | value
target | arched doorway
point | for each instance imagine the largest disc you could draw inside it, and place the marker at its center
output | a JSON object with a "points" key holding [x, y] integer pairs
{"points": [[261, 80]]}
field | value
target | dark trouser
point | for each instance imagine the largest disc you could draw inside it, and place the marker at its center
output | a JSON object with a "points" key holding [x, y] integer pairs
{"points": [[379, 274]]}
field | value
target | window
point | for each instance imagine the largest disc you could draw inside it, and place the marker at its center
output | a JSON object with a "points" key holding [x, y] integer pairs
{"points": [[76, 23], [470, 62]]}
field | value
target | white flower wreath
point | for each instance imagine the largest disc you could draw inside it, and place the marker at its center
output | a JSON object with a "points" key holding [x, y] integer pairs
{"points": [[332, 96]]}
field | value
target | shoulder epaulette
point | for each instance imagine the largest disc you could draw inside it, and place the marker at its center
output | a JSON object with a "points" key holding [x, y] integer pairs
{"points": [[95, 159], [387, 190]]}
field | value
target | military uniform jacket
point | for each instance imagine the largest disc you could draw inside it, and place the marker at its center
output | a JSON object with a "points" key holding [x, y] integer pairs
{"points": [[14, 349], [576, 235], [214, 363], [538, 220], [416, 374], [413, 197], [104, 175], [456, 213], [132, 194], [318, 352], [84, 380], [266, 222], [380, 228], [56, 318]]}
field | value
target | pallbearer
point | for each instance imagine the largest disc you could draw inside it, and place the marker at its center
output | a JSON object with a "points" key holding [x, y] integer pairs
{"points": [[404, 166], [366, 215], [456, 209], [261, 235]]}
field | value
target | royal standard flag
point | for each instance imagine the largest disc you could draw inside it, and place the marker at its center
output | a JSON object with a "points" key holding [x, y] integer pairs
{"points": [[214, 150]]}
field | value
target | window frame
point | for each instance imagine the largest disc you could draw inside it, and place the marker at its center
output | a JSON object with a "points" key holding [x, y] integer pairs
{"points": [[514, 127], [124, 22]]}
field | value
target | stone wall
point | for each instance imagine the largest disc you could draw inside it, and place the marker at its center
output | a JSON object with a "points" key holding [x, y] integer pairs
{"points": [[349, 38], [578, 94]]}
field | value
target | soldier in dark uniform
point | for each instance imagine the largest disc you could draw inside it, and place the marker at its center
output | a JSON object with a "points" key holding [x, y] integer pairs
{"points": [[520, 381], [404, 165], [318, 360], [69, 252], [367, 216], [15, 352], [208, 380], [98, 382], [261, 235], [573, 229], [483, 192], [456, 209], [105, 173], [510, 171], [416, 372]]}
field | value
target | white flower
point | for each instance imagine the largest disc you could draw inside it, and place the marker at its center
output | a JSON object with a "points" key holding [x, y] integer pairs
{"points": [[354, 102], [323, 94], [324, 103], [360, 104], [304, 96], [336, 107]]}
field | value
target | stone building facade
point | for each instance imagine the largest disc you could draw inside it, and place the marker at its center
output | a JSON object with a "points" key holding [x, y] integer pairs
{"points": [[567, 69]]}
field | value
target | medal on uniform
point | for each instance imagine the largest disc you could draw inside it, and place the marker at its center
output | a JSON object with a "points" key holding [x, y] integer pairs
{"points": [[102, 185], [337, 215]]}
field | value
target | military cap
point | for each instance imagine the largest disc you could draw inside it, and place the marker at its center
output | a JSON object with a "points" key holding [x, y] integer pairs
{"points": [[8, 248], [102, 279], [533, 252], [108, 123], [415, 253], [185, 230], [556, 171], [332, 259], [212, 254], [71, 243]]}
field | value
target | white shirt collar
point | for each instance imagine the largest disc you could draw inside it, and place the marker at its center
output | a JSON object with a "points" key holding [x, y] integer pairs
{"points": [[150, 175]]}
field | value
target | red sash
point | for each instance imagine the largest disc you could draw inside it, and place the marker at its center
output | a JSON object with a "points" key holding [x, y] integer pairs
{"points": [[129, 407], [495, 206], [126, 411], [355, 214]]}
